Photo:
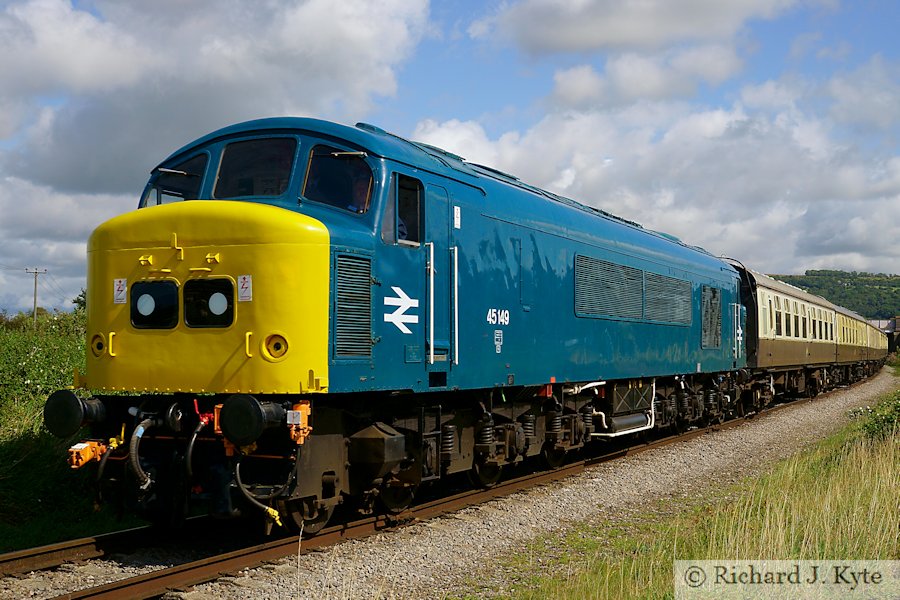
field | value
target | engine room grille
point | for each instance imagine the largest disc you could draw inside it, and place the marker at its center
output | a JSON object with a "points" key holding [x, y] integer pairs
{"points": [[606, 289], [667, 299], [353, 307]]}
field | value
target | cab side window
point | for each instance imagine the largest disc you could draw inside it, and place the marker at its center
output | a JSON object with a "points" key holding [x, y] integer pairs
{"points": [[180, 182], [403, 215], [338, 178]]}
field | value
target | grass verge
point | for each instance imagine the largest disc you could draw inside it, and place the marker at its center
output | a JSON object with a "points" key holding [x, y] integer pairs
{"points": [[41, 499], [836, 500]]}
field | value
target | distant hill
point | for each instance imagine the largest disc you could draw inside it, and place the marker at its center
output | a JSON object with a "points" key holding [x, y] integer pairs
{"points": [[874, 296]]}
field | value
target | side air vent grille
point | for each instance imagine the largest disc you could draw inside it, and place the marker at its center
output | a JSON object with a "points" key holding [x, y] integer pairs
{"points": [[668, 299], [606, 289], [353, 307]]}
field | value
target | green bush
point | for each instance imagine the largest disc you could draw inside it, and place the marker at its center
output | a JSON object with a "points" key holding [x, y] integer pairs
{"points": [[880, 421], [36, 362]]}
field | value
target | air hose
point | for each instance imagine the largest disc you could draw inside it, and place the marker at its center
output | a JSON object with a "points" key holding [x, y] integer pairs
{"points": [[134, 459], [189, 453], [255, 499]]}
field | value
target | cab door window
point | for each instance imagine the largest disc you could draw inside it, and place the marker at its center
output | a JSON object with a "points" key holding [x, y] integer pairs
{"points": [[403, 215]]}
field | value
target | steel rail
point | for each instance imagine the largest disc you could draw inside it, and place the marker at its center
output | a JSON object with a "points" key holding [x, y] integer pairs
{"points": [[48, 556], [52, 555]]}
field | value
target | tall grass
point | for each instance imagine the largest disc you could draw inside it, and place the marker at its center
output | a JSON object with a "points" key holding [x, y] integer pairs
{"points": [[41, 499], [837, 500]]}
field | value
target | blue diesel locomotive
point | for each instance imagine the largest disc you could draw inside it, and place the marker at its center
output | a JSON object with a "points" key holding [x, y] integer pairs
{"points": [[304, 314]]}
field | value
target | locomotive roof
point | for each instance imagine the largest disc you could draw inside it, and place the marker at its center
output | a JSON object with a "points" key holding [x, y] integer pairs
{"points": [[383, 144]]}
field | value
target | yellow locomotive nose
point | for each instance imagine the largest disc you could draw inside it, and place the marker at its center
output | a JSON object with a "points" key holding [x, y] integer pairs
{"points": [[208, 296]]}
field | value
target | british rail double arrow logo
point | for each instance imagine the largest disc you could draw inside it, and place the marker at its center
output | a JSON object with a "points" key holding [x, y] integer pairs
{"points": [[403, 304]]}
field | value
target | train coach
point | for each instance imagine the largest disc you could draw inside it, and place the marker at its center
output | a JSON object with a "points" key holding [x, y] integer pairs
{"points": [[800, 343], [302, 314]]}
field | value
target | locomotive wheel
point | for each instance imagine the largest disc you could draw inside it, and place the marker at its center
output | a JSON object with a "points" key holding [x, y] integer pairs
{"points": [[554, 458], [812, 388], [485, 475], [297, 519], [396, 498]]}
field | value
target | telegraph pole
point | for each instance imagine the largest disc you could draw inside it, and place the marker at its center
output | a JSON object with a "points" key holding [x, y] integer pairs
{"points": [[35, 272]]}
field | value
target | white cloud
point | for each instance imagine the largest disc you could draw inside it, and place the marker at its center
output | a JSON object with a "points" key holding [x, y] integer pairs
{"points": [[579, 87], [458, 134], [44, 228], [151, 76], [50, 47], [868, 97], [545, 26], [770, 95], [708, 63], [629, 77]]}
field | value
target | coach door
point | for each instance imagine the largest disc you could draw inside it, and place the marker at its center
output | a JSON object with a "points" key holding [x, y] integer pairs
{"points": [[440, 282]]}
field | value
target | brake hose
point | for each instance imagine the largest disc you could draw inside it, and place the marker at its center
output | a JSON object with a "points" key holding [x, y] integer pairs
{"points": [[134, 459]]}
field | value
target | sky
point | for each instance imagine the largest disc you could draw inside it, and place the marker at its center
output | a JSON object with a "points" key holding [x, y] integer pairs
{"points": [[764, 130]]}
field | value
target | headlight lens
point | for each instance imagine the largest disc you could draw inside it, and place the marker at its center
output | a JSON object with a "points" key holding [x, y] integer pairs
{"points": [[154, 305], [209, 303]]}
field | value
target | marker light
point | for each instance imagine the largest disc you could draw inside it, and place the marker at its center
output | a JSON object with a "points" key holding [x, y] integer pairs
{"points": [[275, 347]]}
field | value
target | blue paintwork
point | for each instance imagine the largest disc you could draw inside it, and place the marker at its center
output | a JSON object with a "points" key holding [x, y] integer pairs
{"points": [[516, 250]]}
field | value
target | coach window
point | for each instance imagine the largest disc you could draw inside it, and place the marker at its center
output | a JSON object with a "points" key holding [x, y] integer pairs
{"points": [[402, 222], [771, 317], [788, 322], [804, 310], [779, 317]]}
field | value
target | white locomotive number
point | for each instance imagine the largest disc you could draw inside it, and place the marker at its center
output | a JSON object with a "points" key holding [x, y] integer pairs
{"points": [[498, 316]]}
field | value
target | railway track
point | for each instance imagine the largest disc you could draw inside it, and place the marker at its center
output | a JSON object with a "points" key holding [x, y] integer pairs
{"points": [[181, 577], [53, 555]]}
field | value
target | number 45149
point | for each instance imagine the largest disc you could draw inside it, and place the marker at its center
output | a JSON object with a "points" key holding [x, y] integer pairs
{"points": [[498, 316]]}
